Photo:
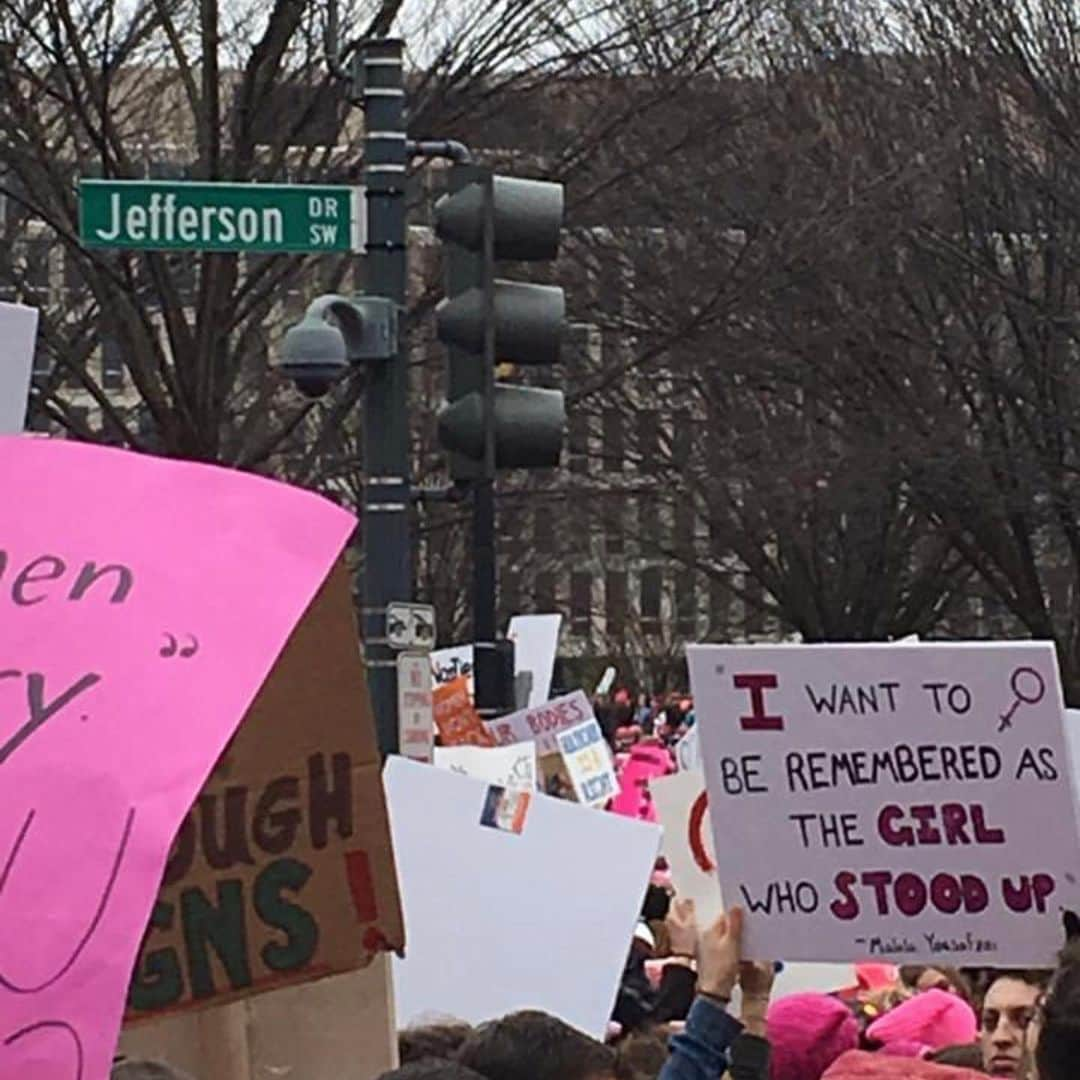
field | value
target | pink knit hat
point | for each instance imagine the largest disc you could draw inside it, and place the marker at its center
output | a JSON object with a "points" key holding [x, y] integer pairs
{"points": [[925, 1023], [808, 1033]]}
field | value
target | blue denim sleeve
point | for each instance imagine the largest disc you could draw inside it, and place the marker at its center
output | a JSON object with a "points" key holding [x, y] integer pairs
{"points": [[700, 1051]]}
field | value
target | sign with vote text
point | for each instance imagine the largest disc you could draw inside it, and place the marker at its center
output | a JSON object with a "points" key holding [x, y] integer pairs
{"points": [[158, 215], [870, 802]]}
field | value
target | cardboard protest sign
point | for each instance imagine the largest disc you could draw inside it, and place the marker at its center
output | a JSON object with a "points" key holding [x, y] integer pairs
{"points": [[18, 332], [645, 762], [281, 872], [481, 901], [457, 722], [536, 641], [145, 603], [540, 724], [416, 710], [588, 761], [870, 802], [511, 767]]}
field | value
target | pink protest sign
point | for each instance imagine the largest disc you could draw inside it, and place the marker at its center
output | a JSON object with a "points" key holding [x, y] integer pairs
{"points": [[646, 762], [142, 604]]}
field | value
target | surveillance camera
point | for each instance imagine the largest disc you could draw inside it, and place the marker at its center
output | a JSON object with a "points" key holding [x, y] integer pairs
{"points": [[313, 356]]}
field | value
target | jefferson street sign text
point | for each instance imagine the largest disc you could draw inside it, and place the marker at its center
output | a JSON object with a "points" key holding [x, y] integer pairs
{"points": [[162, 215]]}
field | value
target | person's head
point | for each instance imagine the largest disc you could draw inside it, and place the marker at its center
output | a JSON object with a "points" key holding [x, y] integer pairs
{"points": [[143, 1069], [1009, 1008], [533, 1045], [808, 1033], [926, 1022], [1057, 1050], [920, 979], [441, 1040], [432, 1069], [642, 1055]]}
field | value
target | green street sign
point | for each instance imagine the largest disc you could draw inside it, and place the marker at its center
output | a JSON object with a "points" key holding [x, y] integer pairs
{"points": [[160, 215]]}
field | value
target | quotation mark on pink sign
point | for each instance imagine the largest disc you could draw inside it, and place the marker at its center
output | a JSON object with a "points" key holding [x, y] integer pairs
{"points": [[172, 647]]}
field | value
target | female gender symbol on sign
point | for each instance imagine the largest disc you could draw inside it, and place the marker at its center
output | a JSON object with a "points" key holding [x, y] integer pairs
{"points": [[1028, 687]]}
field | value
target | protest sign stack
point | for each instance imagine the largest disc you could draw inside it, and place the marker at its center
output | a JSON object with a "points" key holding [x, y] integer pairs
{"points": [[161, 693]]}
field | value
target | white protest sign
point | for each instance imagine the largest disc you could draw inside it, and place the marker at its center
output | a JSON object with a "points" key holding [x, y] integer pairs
{"points": [[870, 802], [682, 809], [18, 332], [607, 681], [536, 641], [688, 750], [550, 872], [416, 722], [512, 767], [588, 763], [540, 724], [447, 664]]}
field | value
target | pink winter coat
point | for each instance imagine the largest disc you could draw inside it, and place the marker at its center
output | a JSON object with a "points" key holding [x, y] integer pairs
{"points": [[859, 1065]]}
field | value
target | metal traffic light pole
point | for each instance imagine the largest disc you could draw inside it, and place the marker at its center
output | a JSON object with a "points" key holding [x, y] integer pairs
{"points": [[490, 693], [387, 544]]}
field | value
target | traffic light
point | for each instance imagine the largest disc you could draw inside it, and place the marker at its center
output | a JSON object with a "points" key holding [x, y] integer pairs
{"points": [[487, 322]]}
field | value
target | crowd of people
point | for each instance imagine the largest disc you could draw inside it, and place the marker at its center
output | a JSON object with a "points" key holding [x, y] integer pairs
{"points": [[674, 1017], [911, 1023]]}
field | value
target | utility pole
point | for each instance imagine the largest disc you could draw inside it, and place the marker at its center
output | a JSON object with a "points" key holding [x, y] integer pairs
{"points": [[387, 545]]}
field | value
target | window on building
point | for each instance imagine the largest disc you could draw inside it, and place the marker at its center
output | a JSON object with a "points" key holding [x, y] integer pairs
{"points": [[719, 610], [685, 522], [614, 525], [649, 530], [544, 528], [580, 604], [649, 601], [614, 440], [686, 604], [648, 440], [579, 442], [544, 591], [682, 439], [37, 268], [112, 364], [754, 596], [615, 604]]}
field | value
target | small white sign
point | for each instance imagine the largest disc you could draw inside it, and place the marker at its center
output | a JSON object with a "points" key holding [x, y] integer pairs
{"points": [[870, 802], [536, 641], [688, 750], [540, 724], [18, 332], [449, 663], [511, 767], [410, 626], [588, 761], [416, 722]]}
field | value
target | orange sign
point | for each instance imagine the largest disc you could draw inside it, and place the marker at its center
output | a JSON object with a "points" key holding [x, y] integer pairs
{"points": [[458, 723]]}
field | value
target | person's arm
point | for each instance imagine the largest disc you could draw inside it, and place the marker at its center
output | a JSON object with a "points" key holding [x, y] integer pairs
{"points": [[700, 1051], [750, 1052]]}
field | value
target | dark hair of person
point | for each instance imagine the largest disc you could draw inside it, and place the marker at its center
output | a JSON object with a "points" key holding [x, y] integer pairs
{"points": [[1058, 1050], [144, 1069], [441, 1040], [643, 1054], [432, 1069], [911, 973], [533, 1045], [961, 1056]]}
